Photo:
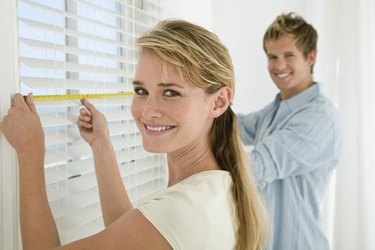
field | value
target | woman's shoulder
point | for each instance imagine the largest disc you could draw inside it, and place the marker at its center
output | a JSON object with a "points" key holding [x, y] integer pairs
{"points": [[197, 208], [201, 188]]}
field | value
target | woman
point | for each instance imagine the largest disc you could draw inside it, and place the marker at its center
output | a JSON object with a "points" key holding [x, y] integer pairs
{"points": [[183, 89]]}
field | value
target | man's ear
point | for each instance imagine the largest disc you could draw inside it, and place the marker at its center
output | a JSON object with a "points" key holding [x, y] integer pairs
{"points": [[223, 98], [311, 57]]}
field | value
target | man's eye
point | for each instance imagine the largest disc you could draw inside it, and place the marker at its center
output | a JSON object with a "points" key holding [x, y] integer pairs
{"points": [[271, 57], [289, 55], [171, 93], [140, 91]]}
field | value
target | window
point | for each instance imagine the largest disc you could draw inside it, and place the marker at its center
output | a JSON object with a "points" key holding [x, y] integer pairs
{"points": [[85, 47]]}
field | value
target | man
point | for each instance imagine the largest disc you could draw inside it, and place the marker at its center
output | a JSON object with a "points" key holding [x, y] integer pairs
{"points": [[296, 139]]}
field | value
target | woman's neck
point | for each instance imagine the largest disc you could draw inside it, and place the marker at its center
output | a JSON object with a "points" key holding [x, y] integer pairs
{"points": [[185, 164]]}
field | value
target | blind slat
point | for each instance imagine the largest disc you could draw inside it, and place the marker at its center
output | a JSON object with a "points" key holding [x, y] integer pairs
{"points": [[81, 231], [55, 157], [88, 20], [80, 217], [53, 83], [72, 67], [73, 33], [75, 50], [72, 134], [83, 199], [124, 5], [76, 103]]}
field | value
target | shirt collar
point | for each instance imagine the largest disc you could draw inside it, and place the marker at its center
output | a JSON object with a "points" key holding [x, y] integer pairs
{"points": [[302, 98]]}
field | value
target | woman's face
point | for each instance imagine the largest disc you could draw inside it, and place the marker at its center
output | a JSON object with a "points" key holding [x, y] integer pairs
{"points": [[171, 113]]}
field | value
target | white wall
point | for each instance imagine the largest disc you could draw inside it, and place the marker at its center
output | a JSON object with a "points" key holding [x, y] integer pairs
{"points": [[196, 11]]}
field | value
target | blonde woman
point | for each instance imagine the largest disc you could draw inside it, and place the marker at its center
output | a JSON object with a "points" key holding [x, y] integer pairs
{"points": [[183, 89]]}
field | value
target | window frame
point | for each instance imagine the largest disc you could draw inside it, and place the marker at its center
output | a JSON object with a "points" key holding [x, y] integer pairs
{"points": [[9, 215]]}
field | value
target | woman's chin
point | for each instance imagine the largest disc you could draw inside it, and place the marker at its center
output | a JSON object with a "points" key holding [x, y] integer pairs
{"points": [[153, 148]]}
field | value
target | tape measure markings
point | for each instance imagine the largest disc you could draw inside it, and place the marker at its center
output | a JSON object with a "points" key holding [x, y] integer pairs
{"points": [[80, 96]]}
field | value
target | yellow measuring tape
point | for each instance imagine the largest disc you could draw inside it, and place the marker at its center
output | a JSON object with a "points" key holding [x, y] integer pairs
{"points": [[80, 96]]}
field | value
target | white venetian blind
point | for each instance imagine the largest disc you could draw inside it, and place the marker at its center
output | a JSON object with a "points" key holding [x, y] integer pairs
{"points": [[85, 46]]}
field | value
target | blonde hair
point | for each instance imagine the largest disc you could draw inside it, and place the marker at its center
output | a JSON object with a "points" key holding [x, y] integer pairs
{"points": [[199, 56]]}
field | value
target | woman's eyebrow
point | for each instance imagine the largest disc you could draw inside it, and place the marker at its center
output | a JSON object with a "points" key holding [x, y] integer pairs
{"points": [[135, 82], [162, 84], [170, 84]]}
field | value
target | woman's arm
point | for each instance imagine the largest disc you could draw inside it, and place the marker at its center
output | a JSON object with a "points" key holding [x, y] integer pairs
{"points": [[113, 197], [23, 130]]}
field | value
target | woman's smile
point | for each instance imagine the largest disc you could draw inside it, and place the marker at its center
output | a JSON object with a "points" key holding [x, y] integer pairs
{"points": [[157, 129]]}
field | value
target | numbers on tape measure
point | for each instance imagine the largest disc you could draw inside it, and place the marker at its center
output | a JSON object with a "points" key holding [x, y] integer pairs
{"points": [[80, 96]]}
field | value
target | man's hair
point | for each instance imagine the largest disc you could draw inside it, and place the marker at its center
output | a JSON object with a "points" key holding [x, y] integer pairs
{"points": [[291, 24]]}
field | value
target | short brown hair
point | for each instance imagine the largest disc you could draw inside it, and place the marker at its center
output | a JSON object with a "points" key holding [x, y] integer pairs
{"points": [[291, 24]]}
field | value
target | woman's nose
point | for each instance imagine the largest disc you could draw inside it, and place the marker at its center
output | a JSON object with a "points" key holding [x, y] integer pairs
{"points": [[151, 108]]}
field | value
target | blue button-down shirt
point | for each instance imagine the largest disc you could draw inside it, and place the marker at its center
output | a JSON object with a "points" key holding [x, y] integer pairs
{"points": [[297, 143]]}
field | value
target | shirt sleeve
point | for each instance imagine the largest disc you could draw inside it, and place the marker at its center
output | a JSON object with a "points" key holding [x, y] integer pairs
{"points": [[309, 140], [248, 126]]}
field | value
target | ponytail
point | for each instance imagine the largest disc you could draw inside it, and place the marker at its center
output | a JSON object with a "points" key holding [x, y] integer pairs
{"points": [[252, 218]]}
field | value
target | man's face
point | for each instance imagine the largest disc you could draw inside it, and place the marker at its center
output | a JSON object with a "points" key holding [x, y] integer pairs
{"points": [[288, 67]]}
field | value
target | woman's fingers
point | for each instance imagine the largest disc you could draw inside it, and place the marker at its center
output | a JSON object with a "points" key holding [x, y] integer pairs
{"points": [[84, 124], [89, 106], [30, 102]]}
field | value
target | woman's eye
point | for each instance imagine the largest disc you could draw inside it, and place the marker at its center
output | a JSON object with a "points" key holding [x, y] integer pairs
{"points": [[140, 91], [171, 93]]}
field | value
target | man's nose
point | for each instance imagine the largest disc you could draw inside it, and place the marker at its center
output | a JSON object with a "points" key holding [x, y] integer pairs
{"points": [[280, 63]]}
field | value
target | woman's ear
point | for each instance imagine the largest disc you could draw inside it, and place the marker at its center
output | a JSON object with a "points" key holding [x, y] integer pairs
{"points": [[223, 99]]}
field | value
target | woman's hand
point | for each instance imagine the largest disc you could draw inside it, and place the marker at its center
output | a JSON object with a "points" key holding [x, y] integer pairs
{"points": [[22, 126], [92, 125]]}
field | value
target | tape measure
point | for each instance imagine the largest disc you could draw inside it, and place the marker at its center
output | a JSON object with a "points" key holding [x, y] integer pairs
{"points": [[80, 96]]}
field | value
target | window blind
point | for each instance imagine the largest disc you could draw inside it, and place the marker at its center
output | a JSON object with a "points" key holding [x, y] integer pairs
{"points": [[85, 47]]}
